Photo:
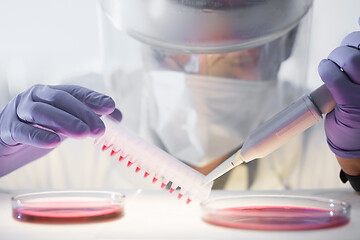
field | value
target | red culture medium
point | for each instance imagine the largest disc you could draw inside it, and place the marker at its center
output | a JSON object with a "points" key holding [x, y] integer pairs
{"points": [[68, 206], [67, 214], [275, 218]]}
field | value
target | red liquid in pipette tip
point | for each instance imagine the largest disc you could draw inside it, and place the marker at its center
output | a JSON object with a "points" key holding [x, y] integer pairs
{"points": [[275, 218], [129, 163], [105, 147], [113, 153], [67, 214]]}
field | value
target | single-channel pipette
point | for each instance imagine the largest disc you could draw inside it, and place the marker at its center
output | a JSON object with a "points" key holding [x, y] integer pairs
{"points": [[291, 121]]}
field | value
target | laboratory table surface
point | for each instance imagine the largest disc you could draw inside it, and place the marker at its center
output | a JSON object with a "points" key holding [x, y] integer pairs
{"points": [[155, 214]]}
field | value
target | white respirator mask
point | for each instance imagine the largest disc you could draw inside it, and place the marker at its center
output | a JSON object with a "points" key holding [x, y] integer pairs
{"points": [[200, 118]]}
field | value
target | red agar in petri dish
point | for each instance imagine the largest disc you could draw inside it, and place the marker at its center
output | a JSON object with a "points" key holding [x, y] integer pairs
{"points": [[275, 218], [273, 212], [67, 214], [68, 207]]}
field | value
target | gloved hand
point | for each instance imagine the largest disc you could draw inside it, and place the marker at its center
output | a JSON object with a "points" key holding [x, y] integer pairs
{"points": [[39, 119], [341, 74]]}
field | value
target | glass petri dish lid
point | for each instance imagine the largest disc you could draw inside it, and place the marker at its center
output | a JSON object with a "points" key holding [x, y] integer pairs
{"points": [[68, 206], [275, 212]]}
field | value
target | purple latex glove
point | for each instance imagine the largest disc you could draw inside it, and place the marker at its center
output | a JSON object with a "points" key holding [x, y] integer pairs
{"points": [[341, 74], [67, 111]]}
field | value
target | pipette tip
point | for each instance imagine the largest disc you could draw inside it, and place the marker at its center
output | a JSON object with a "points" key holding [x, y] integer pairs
{"points": [[104, 147], [112, 153]]}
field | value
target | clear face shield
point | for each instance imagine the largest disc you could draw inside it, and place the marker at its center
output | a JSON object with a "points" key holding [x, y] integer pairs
{"points": [[197, 76]]}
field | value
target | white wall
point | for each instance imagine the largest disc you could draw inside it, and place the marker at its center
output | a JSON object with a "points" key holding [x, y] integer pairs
{"points": [[44, 40], [332, 21]]}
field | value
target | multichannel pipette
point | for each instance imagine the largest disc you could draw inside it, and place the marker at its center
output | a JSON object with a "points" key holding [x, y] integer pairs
{"points": [[291, 121], [160, 165]]}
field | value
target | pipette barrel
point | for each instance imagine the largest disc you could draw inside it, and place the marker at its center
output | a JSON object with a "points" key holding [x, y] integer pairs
{"points": [[293, 120]]}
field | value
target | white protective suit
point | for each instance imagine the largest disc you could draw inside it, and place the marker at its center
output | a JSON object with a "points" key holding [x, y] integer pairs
{"points": [[304, 162]]}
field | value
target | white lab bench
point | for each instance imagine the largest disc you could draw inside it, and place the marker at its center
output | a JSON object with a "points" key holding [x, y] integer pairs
{"points": [[155, 214]]}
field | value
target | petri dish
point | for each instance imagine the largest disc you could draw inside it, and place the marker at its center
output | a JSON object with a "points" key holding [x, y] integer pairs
{"points": [[275, 212], [68, 206]]}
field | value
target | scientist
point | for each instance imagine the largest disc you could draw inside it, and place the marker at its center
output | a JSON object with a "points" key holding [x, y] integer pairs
{"points": [[203, 82]]}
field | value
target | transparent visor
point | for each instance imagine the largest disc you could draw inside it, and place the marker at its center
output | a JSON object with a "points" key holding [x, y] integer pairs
{"points": [[243, 39], [205, 26], [258, 63]]}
